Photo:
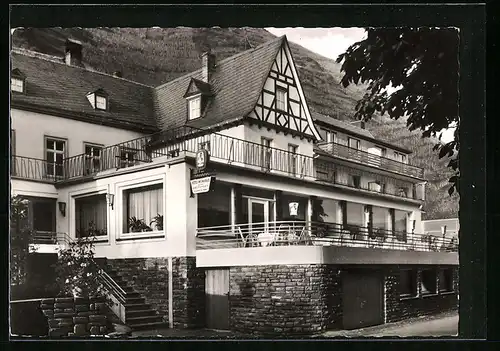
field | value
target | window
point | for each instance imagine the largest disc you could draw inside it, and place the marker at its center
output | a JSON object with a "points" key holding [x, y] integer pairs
{"points": [[266, 153], [92, 158], [400, 157], [127, 157], [354, 143], [214, 207], [408, 283], [144, 209], [91, 216], [399, 224], [377, 186], [379, 218], [194, 107], [429, 282], [292, 158], [355, 181], [17, 85], [100, 102], [281, 99], [446, 279], [55, 150]]}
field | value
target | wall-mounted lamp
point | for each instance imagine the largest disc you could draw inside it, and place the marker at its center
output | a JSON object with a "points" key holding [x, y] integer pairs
{"points": [[443, 230], [413, 222], [110, 198], [62, 208]]}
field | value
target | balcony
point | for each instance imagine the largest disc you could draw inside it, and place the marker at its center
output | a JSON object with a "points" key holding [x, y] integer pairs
{"points": [[35, 169], [301, 233], [366, 158], [187, 141]]}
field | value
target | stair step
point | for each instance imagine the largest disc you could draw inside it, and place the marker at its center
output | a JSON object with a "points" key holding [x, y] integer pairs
{"points": [[132, 294], [136, 306], [137, 299], [143, 319], [151, 325], [140, 313]]}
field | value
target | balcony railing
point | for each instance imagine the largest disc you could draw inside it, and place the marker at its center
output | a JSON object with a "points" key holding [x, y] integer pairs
{"points": [[284, 233], [366, 158], [35, 169]]}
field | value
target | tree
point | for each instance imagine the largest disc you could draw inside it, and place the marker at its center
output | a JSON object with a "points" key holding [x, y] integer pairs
{"points": [[422, 64], [21, 236]]}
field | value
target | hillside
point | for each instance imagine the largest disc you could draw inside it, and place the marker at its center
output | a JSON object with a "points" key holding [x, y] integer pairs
{"points": [[154, 56]]}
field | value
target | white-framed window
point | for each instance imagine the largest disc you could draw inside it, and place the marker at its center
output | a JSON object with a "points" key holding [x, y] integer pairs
{"points": [[446, 280], [281, 99], [194, 107], [428, 281], [292, 158], [17, 85], [354, 143], [93, 154], [408, 283], [55, 151], [91, 216], [143, 209], [101, 102], [398, 156]]}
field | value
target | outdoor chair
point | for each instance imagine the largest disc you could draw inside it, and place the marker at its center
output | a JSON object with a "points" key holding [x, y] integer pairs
{"points": [[250, 240]]}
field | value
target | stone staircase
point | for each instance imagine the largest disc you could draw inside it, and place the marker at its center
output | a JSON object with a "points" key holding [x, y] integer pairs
{"points": [[139, 315]]}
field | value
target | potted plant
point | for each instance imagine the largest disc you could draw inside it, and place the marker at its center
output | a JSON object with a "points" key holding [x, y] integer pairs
{"points": [[138, 225], [158, 221]]}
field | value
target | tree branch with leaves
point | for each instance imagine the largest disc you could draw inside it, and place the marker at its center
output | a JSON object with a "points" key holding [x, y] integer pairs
{"points": [[422, 65]]}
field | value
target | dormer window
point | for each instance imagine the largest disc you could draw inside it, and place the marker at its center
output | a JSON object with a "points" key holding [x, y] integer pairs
{"points": [[194, 107], [100, 102], [17, 81], [98, 99]]}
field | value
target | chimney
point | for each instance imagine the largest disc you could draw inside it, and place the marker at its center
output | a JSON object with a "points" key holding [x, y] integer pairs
{"points": [[208, 65], [73, 51], [117, 74]]}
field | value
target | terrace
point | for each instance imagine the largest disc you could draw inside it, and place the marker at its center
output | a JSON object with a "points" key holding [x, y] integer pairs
{"points": [[187, 141], [366, 158], [303, 233]]}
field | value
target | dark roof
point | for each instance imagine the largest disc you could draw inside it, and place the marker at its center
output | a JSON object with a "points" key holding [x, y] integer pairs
{"points": [[338, 124], [57, 88], [236, 84], [352, 129]]}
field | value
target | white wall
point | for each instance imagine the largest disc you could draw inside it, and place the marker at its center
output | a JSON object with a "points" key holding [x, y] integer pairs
{"points": [[31, 127], [35, 189], [178, 238]]}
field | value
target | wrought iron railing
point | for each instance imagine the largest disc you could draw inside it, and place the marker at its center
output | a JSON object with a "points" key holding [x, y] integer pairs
{"points": [[366, 158], [35, 169], [282, 233]]}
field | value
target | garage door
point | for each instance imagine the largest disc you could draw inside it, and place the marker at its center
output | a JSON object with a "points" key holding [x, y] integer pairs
{"points": [[217, 298], [362, 296]]}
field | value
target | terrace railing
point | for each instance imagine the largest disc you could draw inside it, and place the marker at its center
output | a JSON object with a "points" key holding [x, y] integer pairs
{"points": [[35, 169], [283, 233], [366, 158]]}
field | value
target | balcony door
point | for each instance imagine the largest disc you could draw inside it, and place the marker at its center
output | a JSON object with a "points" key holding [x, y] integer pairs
{"points": [[258, 215]]}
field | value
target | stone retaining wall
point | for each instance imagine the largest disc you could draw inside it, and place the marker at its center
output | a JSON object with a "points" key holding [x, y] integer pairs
{"points": [[292, 299], [399, 308], [68, 316]]}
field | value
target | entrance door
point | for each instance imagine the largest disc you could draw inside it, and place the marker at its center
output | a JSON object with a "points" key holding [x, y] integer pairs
{"points": [[217, 298], [362, 296], [258, 215]]}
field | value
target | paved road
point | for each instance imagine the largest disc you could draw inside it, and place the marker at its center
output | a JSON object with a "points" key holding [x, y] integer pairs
{"points": [[443, 325]]}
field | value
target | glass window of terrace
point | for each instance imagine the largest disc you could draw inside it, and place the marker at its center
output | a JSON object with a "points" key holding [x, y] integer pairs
{"points": [[214, 207]]}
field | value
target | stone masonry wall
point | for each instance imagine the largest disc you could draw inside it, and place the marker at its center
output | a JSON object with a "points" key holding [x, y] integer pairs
{"points": [[68, 316], [149, 276], [188, 293], [399, 308], [278, 299]]}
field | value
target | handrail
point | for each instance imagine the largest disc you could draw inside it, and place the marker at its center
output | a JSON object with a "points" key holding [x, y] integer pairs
{"points": [[325, 232], [361, 156], [33, 168]]}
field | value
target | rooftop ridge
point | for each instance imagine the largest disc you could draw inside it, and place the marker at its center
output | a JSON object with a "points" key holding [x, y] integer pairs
{"points": [[227, 59], [59, 60]]}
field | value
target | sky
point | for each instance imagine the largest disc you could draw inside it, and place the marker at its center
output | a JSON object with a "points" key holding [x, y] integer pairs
{"points": [[330, 42]]}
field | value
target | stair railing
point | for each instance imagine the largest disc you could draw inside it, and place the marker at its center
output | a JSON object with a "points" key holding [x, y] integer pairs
{"points": [[104, 278]]}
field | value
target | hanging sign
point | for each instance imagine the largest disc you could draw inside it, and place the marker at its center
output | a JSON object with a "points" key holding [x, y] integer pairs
{"points": [[294, 208], [201, 185], [202, 157]]}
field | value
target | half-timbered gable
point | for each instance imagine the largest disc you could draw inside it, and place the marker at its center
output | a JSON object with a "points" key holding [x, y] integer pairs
{"points": [[281, 102]]}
